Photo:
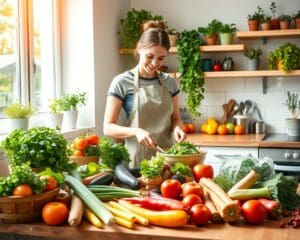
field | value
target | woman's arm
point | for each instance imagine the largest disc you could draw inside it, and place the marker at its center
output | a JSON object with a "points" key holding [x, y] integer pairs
{"points": [[179, 134]]}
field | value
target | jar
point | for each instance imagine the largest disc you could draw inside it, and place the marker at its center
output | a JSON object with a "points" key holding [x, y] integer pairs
{"points": [[242, 120]]}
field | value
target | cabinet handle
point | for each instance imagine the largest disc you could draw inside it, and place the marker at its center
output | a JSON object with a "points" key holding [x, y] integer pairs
{"points": [[224, 156]]}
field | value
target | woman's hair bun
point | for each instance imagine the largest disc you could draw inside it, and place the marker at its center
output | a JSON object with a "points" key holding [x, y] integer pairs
{"points": [[153, 24]]}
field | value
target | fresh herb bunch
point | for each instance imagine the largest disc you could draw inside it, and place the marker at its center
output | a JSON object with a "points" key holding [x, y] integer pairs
{"points": [[152, 168], [253, 53], [18, 110], [71, 101], [228, 28], [21, 174], [182, 169], [183, 148], [42, 146], [131, 26], [113, 153], [192, 79], [212, 28], [293, 104], [273, 9]]}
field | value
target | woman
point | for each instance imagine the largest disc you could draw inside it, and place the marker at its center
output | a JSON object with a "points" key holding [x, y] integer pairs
{"points": [[149, 98]]}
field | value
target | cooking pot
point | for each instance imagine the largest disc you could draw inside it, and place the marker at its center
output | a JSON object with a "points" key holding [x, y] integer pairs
{"points": [[259, 127], [242, 120]]}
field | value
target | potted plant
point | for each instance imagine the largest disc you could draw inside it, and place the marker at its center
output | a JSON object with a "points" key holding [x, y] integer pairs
{"points": [[55, 115], [275, 24], [253, 57], [293, 123], [211, 32], [43, 147], [69, 103], [253, 19], [265, 22], [18, 115], [131, 26], [285, 21], [173, 35], [190, 67], [226, 33], [286, 57], [296, 17]]}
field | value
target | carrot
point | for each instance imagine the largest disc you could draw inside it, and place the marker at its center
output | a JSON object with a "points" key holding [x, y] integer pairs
{"points": [[76, 211], [215, 215], [246, 182], [169, 218], [229, 210], [88, 179]]}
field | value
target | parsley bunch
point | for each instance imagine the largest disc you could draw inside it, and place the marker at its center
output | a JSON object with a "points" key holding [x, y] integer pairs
{"points": [[152, 168]]}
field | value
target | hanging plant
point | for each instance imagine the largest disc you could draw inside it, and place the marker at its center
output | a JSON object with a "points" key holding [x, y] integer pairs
{"points": [[192, 80]]}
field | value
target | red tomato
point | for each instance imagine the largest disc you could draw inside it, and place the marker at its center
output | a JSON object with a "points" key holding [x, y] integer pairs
{"points": [[81, 143], [254, 212], [55, 213], [192, 188], [202, 170], [192, 127], [50, 184], [22, 190], [93, 139], [171, 188], [190, 200], [78, 153], [185, 128], [200, 214]]}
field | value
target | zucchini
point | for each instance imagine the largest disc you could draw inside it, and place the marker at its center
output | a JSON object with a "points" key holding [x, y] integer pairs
{"points": [[124, 177], [105, 179], [90, 199]]}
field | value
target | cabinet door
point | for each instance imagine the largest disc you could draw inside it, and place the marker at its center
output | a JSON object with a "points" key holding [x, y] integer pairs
{"points": [[215, 156]]}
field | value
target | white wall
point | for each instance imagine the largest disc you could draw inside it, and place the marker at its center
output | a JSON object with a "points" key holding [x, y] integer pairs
{"points": [[191, 14]]}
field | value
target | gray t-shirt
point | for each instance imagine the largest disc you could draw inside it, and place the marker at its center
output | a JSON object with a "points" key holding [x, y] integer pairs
{"points": [[122, 87]]}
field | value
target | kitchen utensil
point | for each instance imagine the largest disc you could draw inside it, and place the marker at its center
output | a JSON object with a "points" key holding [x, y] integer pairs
{"points": [[227, 108], [242, 120], [258, 112], [248, 106], [259, 127], [160, 149]]}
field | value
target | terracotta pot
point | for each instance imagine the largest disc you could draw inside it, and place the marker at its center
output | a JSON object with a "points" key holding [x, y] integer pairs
{"points": [[297, 23], [266, 26], [285, 25], [211, 40], [253, 25], [275, 23]]}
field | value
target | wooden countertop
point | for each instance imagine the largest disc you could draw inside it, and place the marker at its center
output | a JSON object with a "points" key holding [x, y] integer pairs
{"points": [[270, 230], [246, 140]]}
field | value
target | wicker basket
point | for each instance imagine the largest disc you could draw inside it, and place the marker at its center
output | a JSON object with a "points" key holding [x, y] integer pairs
{"points": [[81, 160], [24, 209]]}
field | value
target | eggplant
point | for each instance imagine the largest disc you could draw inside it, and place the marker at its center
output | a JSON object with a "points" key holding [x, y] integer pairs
{"points": [[135, 172], [105, 179], [124, 177], [179, 177]]}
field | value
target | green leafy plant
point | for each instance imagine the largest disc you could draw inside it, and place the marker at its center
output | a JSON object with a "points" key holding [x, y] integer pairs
{"points": [[131, 26], [182, 169], [152, 168], [253, 53], [54, 105], [18, 110], [256, 16], [212, 28], [264, 18], [183, 148], [285, 18], [273, 9], [296, 15], [42, 147], [71, 101], [289, 56], [293, 104], [228, 28], [192, 80]]}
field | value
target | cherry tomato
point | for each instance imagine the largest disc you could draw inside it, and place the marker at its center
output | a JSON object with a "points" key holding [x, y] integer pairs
{"points": [[200, 214], [192, 188], [202, 170], [171, 188], [92, 139], [22, 190], [50, 184], [254, 212], [81, 143], [190, 200], [55, 213], [78, 153]]}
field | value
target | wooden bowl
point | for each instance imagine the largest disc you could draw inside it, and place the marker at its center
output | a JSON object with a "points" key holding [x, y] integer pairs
{"points": [[189, 159]]}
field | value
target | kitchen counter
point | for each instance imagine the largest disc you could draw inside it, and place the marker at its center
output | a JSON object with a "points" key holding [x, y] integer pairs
{"points": [[246, 140], [270, 230]]}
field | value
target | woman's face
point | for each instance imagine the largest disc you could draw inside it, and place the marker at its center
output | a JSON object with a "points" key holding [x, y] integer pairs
{"points": [[151, 59]]}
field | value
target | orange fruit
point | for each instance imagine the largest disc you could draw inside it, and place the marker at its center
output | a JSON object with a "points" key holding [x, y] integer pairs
{"points": [[211, 129], [203, 127], [222, 129], [55, 213], [239, 130]]}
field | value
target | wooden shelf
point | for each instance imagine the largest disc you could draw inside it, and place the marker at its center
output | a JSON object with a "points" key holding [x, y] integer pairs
{"points": [[269, 34], [206, 48], [258, 73]]}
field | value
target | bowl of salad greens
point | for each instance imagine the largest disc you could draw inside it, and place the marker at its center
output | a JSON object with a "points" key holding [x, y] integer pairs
{"points": [[184, 152]]}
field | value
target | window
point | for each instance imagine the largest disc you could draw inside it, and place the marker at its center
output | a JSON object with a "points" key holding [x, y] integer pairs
{"points": [[29, 52]]}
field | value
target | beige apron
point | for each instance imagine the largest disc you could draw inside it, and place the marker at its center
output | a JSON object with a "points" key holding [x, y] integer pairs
{"points": [[152, 109]]}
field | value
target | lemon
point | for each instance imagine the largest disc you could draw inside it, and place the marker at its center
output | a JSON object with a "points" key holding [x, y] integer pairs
{"points": [[203, 127]]}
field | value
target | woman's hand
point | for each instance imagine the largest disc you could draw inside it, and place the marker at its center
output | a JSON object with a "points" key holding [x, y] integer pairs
{"points": [[144, 138], [179, 134]]}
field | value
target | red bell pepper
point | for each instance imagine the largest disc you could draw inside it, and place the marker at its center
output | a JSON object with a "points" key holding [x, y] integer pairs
{"points": [[160, 204], [273, 207]]}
